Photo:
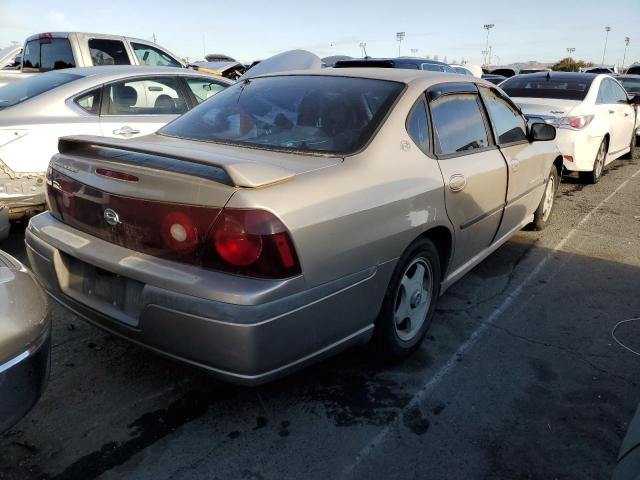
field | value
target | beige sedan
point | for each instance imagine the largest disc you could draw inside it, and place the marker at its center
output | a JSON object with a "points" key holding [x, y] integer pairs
{"points": [[292, 215]]}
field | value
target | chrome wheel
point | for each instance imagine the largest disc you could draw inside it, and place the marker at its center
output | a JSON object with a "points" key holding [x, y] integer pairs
{"points": [[413, 299], [549, 197], [602, 153]]}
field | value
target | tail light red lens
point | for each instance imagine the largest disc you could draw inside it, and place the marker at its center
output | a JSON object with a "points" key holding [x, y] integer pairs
{"points": [[574, 123], [242, 241], [251, 242]]}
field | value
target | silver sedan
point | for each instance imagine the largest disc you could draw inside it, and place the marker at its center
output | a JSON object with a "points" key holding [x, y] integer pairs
{"points": [[115, 101], [292, 216]]}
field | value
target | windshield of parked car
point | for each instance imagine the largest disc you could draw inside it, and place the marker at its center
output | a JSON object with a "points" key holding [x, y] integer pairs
{"points": [[631, 85], [320, 114], [19, 91], [548, 87]]}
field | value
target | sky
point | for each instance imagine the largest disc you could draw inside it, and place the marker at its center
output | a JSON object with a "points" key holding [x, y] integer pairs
{"points": [[247, 30]]}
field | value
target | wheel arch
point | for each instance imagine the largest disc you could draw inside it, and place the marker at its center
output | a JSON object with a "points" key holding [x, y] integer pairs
{"points": [[559, 164], [442, 238]]}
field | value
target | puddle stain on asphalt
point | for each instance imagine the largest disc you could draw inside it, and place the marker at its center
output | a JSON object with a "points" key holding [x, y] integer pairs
{"points": [[358, 399], [147, 430], [358, 396]]}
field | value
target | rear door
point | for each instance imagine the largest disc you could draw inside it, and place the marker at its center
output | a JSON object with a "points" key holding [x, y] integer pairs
{"points": [[474, 171], [607, 109], [525, 166], [625, 113], [141, 105]]}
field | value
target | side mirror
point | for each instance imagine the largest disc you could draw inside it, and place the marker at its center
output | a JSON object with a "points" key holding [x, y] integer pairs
{"points": [[542, 132], [635, 100]]}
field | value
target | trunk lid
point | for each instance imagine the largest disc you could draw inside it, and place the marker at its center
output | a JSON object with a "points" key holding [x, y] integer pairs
{"points": [[159, 195], [546, 108]]}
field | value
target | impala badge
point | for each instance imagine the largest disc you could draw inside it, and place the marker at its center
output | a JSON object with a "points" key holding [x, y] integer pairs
{"points": [[111, 217]]}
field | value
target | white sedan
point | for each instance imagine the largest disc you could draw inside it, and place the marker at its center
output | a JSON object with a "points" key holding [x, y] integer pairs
{"points": [[593, 114], [112, 101]]}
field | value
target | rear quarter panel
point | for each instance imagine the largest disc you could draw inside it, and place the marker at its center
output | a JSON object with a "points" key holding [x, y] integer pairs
{"points": [[362, 212]]}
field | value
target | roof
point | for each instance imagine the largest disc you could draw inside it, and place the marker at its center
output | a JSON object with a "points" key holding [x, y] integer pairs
{"points": [[118, 70], [90, 34], [390, 74], [412, 60], [576, 76]]}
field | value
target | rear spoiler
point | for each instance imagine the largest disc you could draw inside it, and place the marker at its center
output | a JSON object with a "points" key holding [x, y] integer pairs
{"points": [[197, 163]]}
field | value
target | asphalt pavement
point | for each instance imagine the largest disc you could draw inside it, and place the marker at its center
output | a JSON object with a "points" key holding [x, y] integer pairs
{"points": [[519, 378]]}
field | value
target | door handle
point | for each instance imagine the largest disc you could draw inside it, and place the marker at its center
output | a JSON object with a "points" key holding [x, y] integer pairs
{"points": [[612, 111], [626, 114], [126, 131], [457, 182]]}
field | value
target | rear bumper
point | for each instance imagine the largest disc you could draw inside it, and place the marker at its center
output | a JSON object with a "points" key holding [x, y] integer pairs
{"points": [[247, 340], [23, 379], [580, 146]]}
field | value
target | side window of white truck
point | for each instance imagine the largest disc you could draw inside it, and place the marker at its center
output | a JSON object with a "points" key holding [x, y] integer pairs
{"points": [[152, 56], [108, 52]]}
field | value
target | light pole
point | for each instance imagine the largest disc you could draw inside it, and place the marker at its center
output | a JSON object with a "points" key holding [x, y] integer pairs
{"points": [[363, 46], [414, 51], [606, 29], [627, 41], [400, 37], [570, 51], [488, 28]]}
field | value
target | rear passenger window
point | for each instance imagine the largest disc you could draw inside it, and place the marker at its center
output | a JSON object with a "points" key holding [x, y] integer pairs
{"points": [[204, 88], [108, 52], [507, 123], [618, 93], [90, 101], [146, 96], [458, 124], [417, 126]]}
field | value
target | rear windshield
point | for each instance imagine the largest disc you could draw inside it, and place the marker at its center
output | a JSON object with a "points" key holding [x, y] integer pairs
{"points": [[319, 114], [17, 92], [47, 54], [544, 87]]}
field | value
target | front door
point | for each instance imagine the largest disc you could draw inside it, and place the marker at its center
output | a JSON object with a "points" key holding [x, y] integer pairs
{"points": [[526, 165], [140, 106], [474, 172]]}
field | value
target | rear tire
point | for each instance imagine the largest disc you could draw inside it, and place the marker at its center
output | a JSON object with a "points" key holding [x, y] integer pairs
{"points": [[632, 147], [598, 165], [542, 215], [409, 302]]}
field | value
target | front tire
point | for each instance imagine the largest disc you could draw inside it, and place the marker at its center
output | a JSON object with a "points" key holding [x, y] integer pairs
{"points": [[409, 302], [542, 215], [598, 165]]}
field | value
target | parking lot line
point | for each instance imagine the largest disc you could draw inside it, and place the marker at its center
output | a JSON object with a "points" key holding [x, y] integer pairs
{"points": [[433, 382]]}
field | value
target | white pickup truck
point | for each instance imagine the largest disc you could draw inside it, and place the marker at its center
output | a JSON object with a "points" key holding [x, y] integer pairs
{"points": [[51, 51]]}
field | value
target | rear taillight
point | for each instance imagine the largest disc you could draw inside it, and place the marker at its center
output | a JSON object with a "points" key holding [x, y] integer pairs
{"points": [[247, 242], [251, 242], [574, 123]]}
